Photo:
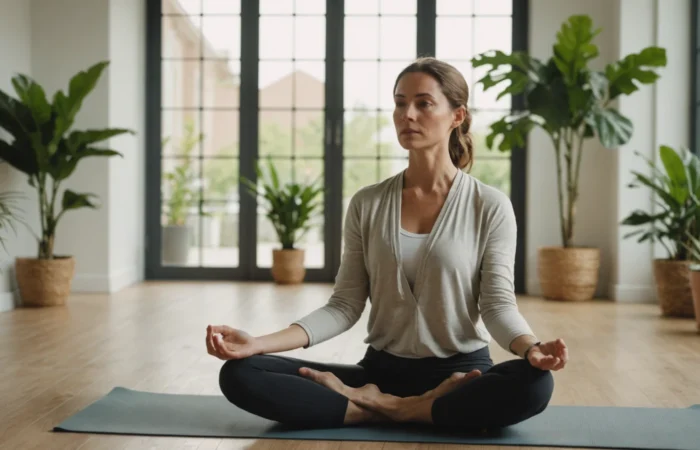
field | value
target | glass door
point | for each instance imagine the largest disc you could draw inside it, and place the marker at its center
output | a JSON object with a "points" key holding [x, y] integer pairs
{"points": [[380, 40], [291, 110], [306, 85], [199, 134]]}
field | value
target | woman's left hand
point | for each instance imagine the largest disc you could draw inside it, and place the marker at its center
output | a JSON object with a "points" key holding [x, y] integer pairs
{"points": [[552, 355]]}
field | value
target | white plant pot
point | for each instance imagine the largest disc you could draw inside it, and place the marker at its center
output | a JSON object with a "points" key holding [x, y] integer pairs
{"points": [[176, 245]]}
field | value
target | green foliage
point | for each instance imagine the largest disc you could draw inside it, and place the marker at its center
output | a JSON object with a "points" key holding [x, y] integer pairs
{"points": [[290, 206], [677, 190], [10, 214], [569, 100], [45, 148], [179, 184]]}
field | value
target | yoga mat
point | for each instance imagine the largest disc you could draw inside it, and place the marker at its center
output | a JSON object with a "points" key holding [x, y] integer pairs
{"points": [[125, 411]]}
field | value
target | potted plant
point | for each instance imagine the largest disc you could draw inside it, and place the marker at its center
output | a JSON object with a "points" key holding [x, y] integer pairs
{"points": [[181, 195], [675, 219], [43, 145], [571, 102], [290, 208], [694, 274]]}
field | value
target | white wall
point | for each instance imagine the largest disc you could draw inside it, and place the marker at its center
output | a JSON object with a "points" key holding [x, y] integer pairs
{"points": [[69, 36], [127, 50], [628, 26], [52, 41], [15, 57]]}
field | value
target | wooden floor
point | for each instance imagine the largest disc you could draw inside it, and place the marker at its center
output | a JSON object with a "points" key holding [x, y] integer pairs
{"points": [[54, 362]]}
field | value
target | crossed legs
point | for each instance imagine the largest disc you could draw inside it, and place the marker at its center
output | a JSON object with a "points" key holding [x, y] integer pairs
{"points": [[330, 395]]}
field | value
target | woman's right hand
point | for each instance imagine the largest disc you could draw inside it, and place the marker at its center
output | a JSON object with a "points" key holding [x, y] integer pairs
{"points": [[227, 343]]}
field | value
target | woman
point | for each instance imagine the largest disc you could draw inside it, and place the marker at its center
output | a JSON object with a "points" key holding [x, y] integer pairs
{"points": [[433, 249]]}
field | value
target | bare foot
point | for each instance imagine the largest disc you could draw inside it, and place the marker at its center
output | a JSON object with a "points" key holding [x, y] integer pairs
{"points": [[356, 412], [403, 409]]}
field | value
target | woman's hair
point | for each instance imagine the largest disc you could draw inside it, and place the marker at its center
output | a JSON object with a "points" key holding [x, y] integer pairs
{"points": [[455, 88]]}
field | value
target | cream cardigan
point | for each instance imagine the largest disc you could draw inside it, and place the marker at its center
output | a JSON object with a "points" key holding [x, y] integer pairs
{"points": [[464, 292]]}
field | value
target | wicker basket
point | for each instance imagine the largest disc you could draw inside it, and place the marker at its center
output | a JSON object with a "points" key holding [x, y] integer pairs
{"points": [[673, 288], [568, 274], [44, 282], [288, 266], [695, 288]]}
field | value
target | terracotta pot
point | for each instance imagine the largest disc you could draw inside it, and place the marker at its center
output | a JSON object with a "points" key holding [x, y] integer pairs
{"points": [[673, 288], [288, 266], [568, 274], [695, 289], [44, 282]]}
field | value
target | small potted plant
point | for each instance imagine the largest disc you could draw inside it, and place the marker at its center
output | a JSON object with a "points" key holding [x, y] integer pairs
{"points": [[290, 208], [676, 189], [694, 268], [572, 102], [44, 146], [180, 194]]}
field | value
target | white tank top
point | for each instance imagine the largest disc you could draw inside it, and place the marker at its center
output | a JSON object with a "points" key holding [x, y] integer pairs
{"points": [[412, 245]]}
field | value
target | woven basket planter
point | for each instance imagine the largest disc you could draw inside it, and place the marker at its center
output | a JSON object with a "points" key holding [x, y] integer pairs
{"points": [[568, 274], [288, 266], [673, 288], [695, 288], [44, 282]]}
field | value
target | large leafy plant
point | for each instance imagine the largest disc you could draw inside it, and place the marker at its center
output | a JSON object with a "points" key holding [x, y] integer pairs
{"points": [[676, 217], [567, 99], [289, 207], [44, 146]]}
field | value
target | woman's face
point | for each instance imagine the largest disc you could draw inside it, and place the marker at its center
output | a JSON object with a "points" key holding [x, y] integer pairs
{"points": [[423, 116]]}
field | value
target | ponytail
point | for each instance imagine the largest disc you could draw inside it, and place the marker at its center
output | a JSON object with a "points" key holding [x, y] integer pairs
{"points": [[461, 145]]}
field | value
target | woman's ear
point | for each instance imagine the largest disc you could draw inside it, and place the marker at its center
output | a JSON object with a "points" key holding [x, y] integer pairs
{"points": [[458, 116]]}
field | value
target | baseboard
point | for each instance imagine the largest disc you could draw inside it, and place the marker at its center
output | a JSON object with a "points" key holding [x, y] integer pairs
{"points": [[634, 293], [8, 300], [87, 282]]}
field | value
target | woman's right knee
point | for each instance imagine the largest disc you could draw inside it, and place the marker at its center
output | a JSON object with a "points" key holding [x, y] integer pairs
{"points": [[235, 375]]}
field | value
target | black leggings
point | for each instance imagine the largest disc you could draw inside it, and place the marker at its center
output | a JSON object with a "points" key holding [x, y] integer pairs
{"points": [[507, 393]]}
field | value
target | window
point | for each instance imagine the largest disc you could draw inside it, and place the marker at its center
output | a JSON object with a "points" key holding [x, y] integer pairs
{"points": [[308, 85]]}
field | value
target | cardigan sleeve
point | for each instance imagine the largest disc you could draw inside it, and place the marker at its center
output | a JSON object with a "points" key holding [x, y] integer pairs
{"points": [[497, 301], [351, 289]]}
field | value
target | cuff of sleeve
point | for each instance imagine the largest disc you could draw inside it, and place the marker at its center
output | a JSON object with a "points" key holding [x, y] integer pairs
{"points": [[306, 328]]}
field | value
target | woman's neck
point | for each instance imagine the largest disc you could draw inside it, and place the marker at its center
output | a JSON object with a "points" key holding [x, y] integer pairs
{"points": [[429, 171]]}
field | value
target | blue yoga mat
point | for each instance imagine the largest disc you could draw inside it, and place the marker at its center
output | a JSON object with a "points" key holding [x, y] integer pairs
{"points": [[125, 411]]}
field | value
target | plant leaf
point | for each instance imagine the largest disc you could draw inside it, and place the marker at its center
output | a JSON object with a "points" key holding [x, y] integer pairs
{"points": [[34, 97], [15, 117], [522, 70], [624, 75], [512, 130], [574, 48], [613, 129], [678, 180], [598, 83], [73, 200], [79, 139]]}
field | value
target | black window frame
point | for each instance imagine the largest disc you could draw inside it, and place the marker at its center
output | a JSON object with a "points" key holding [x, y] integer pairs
{"points": [[333, 159]]}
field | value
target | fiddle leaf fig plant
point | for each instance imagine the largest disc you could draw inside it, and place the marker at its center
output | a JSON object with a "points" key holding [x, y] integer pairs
{"points": [[569, 100], [44, 146]]}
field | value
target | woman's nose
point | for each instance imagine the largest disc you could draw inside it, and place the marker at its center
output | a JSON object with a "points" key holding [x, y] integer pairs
{"points": [[409, 112]]}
